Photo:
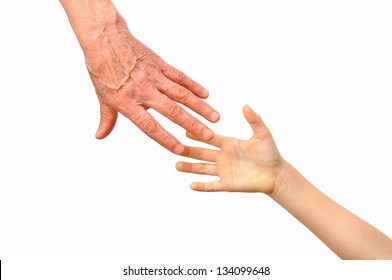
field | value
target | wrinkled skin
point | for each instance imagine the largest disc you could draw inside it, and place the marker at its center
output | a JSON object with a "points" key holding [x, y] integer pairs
{"points": [[129, 78]]}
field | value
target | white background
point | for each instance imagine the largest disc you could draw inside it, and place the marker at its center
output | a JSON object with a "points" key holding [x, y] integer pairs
{"points": [[318, 72]]}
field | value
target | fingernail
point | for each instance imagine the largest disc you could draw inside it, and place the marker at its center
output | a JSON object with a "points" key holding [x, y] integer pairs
{"points": [[207, 134], [178, 149], [215, 116]]}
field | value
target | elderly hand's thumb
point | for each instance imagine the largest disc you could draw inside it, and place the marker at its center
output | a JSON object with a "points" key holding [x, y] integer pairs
{"points": [[107, 121]]}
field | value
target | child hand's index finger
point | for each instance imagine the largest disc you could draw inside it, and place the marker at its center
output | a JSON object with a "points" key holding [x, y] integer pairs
{"points": [[200, 153]]}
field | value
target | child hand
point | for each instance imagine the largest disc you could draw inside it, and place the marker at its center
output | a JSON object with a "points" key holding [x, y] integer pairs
{"points": [[242, 165]]}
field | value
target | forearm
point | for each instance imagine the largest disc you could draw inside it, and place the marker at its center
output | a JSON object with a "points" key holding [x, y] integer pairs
{"points": [[105, 40], [90, 19], [344, 233]]}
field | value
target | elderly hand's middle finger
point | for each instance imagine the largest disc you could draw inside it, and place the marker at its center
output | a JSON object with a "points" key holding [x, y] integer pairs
{"points": [[181, 95], [178, 115]]}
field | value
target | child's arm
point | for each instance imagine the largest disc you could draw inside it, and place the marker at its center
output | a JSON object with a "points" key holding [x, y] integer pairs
{"points": [[344, 233], [255, 165]]}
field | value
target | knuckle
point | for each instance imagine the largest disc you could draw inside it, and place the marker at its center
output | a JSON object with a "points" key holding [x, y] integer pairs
{"points": [[192, 84], [149, 126], [201, 106], [120, 101], [174, 110], [136, 117], [180, 76], [199, 154], [167, 140], [182, 95], [194, 125], [143, 90]]}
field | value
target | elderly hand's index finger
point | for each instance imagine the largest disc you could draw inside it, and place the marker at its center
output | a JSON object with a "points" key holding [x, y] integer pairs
{"points": [[146, 122], [215, 141]]}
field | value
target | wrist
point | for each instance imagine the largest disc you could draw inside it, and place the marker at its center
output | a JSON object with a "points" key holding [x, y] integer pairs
{"points": [[284, 181], [91, 19]]}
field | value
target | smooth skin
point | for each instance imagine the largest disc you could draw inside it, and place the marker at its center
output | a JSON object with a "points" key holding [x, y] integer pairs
{"points": [[255, 165], [129, 78]]}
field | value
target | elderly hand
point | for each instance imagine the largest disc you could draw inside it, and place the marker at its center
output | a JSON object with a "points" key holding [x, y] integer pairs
{"points": [[130, 78]]}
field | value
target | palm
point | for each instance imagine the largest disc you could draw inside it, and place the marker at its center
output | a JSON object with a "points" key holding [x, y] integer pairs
{"points": [[247, 165], [242, 165]]}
